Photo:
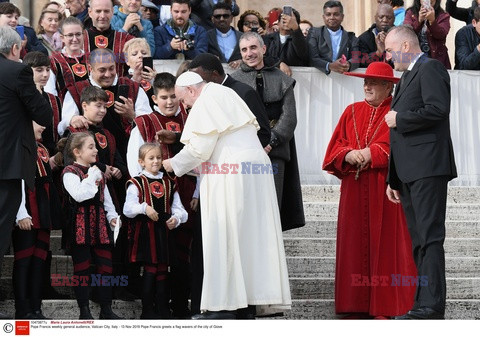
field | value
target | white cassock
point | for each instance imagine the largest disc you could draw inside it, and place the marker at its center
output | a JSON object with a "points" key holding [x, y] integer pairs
{"points": [[243, 253]]}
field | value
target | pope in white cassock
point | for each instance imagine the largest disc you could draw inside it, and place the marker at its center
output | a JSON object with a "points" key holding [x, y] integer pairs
{"points": [[243, 253]]}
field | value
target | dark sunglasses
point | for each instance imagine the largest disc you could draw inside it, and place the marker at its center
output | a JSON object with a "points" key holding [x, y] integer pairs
{"points": [[219, 16]]}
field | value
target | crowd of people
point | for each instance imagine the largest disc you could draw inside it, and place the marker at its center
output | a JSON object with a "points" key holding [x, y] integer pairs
{"points": [[156, 177]]}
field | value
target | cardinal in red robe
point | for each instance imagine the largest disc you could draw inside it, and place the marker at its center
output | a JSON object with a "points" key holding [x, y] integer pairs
{"points": [[375, 273]]}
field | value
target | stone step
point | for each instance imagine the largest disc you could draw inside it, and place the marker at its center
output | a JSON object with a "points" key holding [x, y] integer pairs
{"points": [[301, 309], [324, 309], [331, 193], [315, 211], [316, 267], [303, 288], [61, 264], [323, 288], [325, 247], [324, 267], [328, 229]]}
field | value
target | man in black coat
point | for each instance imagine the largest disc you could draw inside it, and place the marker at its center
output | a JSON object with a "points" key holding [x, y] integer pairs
{"points": [[421, 162], [467, 45], [20, 103], [372, 42], [288, 45]]}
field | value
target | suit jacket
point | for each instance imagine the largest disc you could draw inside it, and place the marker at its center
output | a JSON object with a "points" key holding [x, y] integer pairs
{"points": [[294, 52], [214, 48], [321, 52], [467, 56], [254, 102], [420, 145], [20, 103]]}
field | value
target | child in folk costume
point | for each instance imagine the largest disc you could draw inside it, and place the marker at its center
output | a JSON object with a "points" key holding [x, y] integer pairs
{"points": [[155, 207], [94, 101], [169, 115], [39, 212], [91, 215], [40, 64], [109, 161]]}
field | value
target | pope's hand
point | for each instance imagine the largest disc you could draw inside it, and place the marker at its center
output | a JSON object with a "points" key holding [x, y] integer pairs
{"points": [[167, 166]]}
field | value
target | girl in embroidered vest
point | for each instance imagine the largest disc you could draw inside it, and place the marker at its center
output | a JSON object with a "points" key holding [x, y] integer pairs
{"points": [[91, 215], [38, 213], [94, 107], [155, 208], [170, 115], [135, 50], [70, 64]]}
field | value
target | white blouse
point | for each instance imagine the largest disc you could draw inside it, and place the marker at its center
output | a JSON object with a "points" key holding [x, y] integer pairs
{"points": [[87, 188], [133, 207]]}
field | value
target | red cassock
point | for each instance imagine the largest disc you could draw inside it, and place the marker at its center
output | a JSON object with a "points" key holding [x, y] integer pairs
{"points": [[375, 272]]}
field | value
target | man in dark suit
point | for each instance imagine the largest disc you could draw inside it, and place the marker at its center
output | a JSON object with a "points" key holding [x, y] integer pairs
{"points": [[329, 43], [421, 162], [223, 39], [20, 103], [467, 45]]}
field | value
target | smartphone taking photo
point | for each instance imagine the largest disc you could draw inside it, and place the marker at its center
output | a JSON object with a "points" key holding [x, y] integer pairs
{"points": [[122, 90], [287, 10], [426, 4], [147, 62]]}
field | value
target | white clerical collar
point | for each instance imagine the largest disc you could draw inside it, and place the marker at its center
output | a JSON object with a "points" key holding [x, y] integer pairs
{"points": [[147, 174], [224, 35], [157, 109], [337, 33], [92, 81], [410, 67], [224, 79]]}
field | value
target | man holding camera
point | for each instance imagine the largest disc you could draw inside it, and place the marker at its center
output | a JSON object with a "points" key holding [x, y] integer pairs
{"points": [[180, 38], [288, 45], [372, 42]]}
